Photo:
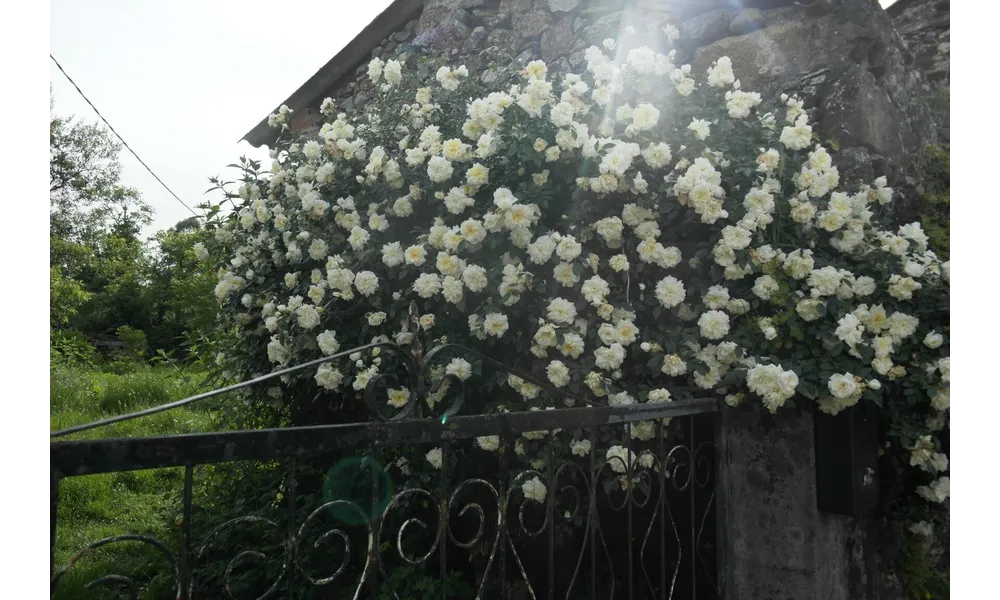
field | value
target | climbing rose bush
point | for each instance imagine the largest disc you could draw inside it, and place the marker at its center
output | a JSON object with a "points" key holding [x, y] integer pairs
{"points": [[637, 232]]}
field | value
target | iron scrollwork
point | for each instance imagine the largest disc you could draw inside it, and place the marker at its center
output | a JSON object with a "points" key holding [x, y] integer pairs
{"points": [[495, 526], [662, 496], [114, 579], [240, 557]]}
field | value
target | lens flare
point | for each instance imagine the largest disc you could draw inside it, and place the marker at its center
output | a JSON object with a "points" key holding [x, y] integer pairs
{"points": [[361, 481]]}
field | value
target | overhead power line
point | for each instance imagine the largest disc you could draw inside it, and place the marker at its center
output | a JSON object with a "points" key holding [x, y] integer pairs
{"points": [[142, 162]]}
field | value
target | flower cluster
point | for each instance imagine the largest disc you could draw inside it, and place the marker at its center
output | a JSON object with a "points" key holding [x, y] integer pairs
{"points": [[582, 222]]}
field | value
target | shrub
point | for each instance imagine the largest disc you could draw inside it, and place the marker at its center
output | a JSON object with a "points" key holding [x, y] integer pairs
{"points": [[69, 347], [619, 234], [134, 340]]}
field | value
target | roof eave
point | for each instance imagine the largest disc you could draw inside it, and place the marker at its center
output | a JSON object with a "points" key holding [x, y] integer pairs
{"points": [[897, 7], [388, 21]]}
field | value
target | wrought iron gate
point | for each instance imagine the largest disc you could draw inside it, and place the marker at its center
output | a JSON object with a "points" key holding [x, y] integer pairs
{"points": [[596, 525]]}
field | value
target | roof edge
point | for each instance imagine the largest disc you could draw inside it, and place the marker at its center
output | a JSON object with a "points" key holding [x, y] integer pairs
{"points": [[897, 7], [343, 63]]}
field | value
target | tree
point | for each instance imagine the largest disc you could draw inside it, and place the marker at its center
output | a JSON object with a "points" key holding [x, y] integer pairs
{"points": [[103, 278], [180, 285], [96, 256], [66, 296], [86, 195], [117, 275]]}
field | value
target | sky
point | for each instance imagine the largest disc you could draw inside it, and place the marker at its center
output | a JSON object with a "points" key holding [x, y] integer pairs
{"points": [[183, 81]]}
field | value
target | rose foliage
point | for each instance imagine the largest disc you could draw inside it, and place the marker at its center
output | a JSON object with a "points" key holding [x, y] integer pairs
{"points": [[624, 234]]}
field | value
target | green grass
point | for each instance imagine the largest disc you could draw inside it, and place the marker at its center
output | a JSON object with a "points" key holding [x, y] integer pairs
{"points": [[94, 507]]}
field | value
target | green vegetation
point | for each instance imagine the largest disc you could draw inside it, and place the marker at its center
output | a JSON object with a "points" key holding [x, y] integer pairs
{"points": [[102, 275], [127, 330], [934, 176], [94, 507], [930, 176], [414, 582], [921, 564], [921, 577]]}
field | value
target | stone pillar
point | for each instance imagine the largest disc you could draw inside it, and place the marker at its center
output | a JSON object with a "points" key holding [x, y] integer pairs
{"points": [[776, 543]]}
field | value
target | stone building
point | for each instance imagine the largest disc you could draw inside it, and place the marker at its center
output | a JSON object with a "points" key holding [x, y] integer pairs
{"points": [[869, 77], [924, 26], [843, 56]]}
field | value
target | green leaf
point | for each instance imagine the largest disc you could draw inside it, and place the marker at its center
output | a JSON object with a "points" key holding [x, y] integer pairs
{"points": [[807, 389]]}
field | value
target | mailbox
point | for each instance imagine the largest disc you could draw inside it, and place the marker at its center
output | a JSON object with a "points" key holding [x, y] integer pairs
{"points": [[847, 460]]}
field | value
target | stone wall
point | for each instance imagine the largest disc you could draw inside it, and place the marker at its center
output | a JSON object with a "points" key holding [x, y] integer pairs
{"points": [[843, 56], [925, 26]]}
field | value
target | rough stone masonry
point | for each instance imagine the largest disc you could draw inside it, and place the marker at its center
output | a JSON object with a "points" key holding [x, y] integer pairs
{"points": [[866, 89]]}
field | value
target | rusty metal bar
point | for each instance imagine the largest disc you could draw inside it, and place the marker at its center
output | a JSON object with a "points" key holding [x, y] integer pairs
{"points": [[629, 501], [376, 514], [186, 570], [111, 455], [505, 450], [416, 355], [661, 453], [53, 517], [550, 516], [692, 485], [592, 513], [443, 525], [290, 542]]}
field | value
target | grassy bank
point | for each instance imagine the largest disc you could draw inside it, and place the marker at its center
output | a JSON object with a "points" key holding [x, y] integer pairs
{"points": [[94, 507]]}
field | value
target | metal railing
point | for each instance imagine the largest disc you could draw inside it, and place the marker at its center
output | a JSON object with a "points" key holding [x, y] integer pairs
{"points": [[629, 524]]}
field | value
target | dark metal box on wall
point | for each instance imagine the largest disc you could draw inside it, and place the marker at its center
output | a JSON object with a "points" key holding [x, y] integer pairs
{"points": [[847, 460]]}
